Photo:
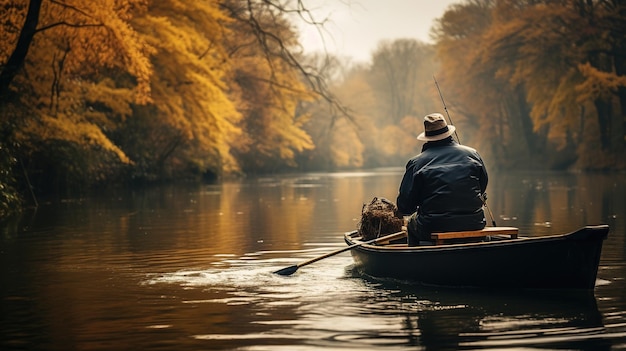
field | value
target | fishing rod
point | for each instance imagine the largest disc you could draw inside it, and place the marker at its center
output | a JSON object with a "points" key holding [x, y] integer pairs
{"points": [[445, 108], [483, 197]]}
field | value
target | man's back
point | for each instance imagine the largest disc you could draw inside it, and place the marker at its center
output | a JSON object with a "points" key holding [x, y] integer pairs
{"points": [[444, 184]]}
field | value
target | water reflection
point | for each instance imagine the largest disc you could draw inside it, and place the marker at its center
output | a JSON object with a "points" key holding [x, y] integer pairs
{"points": [[544, 203], [446, 319], [189, 268], [332, 305]]}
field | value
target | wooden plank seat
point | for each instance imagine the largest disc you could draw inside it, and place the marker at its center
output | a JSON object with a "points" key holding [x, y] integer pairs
{"points": [[440, 238]]}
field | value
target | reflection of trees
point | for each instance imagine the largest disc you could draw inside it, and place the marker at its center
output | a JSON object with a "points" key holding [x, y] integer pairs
{"points": [[567, 201]]}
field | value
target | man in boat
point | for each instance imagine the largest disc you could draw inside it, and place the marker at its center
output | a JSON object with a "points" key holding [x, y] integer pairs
{"points": [[443, 186]]}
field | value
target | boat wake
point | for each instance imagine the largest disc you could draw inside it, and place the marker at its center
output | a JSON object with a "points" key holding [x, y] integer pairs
{"points": [[250, 278], [331, 302]]}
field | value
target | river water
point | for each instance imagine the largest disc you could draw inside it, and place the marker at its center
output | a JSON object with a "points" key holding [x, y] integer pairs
{"points": [[189, 267]]}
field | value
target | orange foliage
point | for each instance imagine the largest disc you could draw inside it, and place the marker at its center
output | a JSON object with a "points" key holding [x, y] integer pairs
{"points": [[543, 70]]}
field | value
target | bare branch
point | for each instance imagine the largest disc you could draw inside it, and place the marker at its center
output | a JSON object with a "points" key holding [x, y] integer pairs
{"points": [[268, 39], [63, 23], [74, 8]]}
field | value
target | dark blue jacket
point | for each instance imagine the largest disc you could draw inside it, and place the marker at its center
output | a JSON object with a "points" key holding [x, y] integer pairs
{"points": [[444, 184]]}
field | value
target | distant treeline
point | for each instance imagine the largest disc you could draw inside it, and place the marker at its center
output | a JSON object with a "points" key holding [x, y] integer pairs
{"points": [[112, 92]]}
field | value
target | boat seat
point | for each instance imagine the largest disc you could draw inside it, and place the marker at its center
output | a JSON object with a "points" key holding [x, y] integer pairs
{"points": [[440, 238]]}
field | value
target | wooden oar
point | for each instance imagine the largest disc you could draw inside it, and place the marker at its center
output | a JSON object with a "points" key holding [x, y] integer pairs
{"points": [[292, 269]]}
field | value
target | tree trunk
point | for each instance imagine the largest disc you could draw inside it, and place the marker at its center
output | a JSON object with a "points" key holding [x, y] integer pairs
{"points": [[534, 144], [619, 62], [604, 120], [16, 60]]}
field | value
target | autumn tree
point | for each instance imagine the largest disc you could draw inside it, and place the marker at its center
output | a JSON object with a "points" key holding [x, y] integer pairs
{"points": [[226, 98], [604, 68], [57, 57], [266, 76], [192, 121], [24, 36], [401, 75], [386, 98], [549, 67], [481, 103], [339, 141], [140, 89], [564, 59]]}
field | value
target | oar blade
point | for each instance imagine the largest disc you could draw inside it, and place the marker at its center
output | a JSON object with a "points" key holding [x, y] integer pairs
{"points": [[292, 269], [287, 270]]}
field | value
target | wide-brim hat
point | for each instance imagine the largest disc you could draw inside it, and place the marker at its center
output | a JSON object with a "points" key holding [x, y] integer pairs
{"points": [[435, 128]]}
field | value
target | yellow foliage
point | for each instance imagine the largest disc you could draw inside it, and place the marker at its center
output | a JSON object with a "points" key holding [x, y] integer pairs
{"points": [[409, 129], [98, 36], [63, 93], [389, 141], [597, 84], [70, 128], [268, 92], [345, 147], [11, 20], [115, 104], [189, 89], [532, 50], [196, 81]]}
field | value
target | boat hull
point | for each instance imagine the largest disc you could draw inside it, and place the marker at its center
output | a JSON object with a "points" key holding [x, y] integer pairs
{"points": [[568, 261]]}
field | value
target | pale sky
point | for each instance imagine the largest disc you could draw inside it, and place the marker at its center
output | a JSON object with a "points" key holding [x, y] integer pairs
{"points": [[355, 27]]}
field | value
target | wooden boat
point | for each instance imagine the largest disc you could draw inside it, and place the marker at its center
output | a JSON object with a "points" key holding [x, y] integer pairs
{"points": [[567, 261]]}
